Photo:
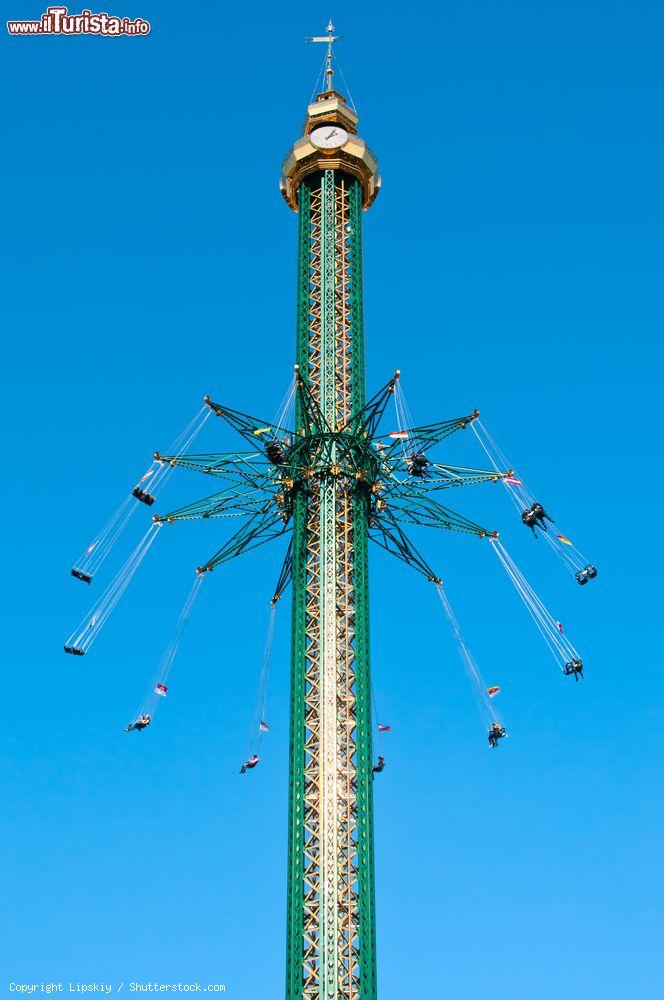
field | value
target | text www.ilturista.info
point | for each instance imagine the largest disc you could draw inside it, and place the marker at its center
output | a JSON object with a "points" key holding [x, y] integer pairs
{"points": [[57, 21]]}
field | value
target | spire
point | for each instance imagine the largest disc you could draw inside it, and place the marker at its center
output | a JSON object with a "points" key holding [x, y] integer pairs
{"points": [[329, 138], [330, 38]]}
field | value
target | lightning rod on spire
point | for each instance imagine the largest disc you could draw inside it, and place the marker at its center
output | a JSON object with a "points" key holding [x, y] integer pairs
{"points": [[329, 39]]}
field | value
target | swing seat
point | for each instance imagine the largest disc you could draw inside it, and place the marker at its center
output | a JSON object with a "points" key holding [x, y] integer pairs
{"points": [[275, 452], [417, 464], [74, 650], [80, 575], [136, 727], [141, 495], [587, 573]]}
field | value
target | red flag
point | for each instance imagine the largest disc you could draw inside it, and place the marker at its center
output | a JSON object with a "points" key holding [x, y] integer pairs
{"points": [[493, 691], [398, 434], [565, 541], [513, 481], [263, 726], [559, 626], [384, 729], [161, 689]]}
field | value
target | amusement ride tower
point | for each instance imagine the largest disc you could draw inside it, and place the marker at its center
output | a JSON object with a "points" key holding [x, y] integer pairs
{"points": [[330, 178], [333, 482]]}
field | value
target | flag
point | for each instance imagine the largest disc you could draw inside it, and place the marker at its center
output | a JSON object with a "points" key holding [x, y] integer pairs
{"points": [[493, 691], [261, 430], [93, 620], [384, 729], [161, 689], [512, 480], [263, 726], [146, 476], [559, 626], [565, 541], [398, 434], [90, 548]]}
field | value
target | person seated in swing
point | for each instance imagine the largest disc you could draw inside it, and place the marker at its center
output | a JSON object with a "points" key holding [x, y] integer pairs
{"points": [[540, 513], [249, 764], [574, 668], [496, 733], [417, 464], [379, 767], [274, 450], [141, 723], [529, 519], [534, 517]]}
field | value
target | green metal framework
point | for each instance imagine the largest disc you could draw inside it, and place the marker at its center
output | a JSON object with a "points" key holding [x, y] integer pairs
{"points": [[330, 483]]}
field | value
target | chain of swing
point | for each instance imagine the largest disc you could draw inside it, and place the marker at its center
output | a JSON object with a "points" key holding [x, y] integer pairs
{"points": [[144, 492], [533, 516]]}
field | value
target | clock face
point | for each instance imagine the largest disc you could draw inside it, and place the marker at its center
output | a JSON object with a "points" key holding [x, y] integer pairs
{"points": [[328, 136]]}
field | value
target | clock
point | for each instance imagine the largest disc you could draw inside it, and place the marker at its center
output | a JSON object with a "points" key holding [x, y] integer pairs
{"points": [[328, 136]]}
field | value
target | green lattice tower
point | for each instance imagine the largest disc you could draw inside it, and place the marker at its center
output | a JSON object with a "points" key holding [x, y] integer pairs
{"points": [[329, 178]]}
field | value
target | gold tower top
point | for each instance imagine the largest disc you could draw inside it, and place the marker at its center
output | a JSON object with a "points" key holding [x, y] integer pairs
{"points": [[330, 140]]}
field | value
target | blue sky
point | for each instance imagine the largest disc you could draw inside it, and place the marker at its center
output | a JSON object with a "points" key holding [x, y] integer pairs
{"points": [[512, 262]]}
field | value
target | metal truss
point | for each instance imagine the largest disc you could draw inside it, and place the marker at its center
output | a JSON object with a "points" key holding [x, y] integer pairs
{"points": [[249, 427], [443, 477], [285, 574], [257, 531], [412, 507], [235, 501], [243, 466], [420, 438], [390, 536]]}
